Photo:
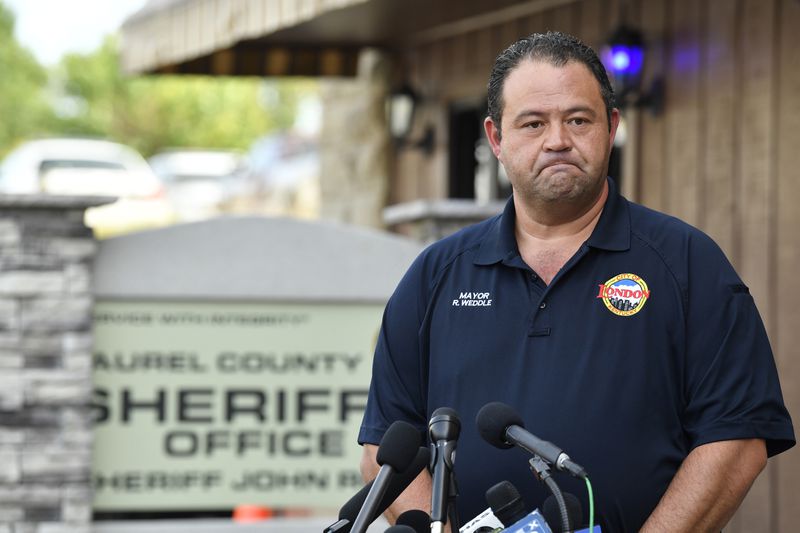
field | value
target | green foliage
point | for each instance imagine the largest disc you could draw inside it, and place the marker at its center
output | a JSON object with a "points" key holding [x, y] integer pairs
{"points": [[24, 111], [87, 95], [155, 112]]}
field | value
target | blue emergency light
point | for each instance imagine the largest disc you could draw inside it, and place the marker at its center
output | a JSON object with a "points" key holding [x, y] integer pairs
{"points": [[625, 60], [623, 57]]}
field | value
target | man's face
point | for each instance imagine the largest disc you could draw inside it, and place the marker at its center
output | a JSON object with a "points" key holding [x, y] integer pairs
{"points": [[555, 140]]}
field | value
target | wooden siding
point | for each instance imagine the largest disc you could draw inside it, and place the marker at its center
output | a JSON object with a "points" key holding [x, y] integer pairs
{"points": [[785, 470], [722, 155]]}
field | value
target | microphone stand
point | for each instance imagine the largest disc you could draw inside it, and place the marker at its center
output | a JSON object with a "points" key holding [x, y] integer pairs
{"points": [[443, 430], [450, 512], [542, 471], [451, 503], [340, 525]]}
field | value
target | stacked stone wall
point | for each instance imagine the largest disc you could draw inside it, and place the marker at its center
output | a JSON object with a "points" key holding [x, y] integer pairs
{"points": [[354, 144], [46, 255]]}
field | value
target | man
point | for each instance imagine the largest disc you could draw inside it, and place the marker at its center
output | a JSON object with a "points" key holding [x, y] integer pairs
{"points": [[618, 333]]}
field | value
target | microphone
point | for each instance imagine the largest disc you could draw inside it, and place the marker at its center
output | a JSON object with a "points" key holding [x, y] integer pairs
{"points": [[552, 513], [416, 519], [486, 522], [398, 483], [508, 507], [400, 529], [506, 503], [502, 427], [443, 429], [396, 452], [532, 522]]}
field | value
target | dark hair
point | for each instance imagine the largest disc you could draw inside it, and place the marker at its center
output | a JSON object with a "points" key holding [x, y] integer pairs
{"points": [[552, 47]]}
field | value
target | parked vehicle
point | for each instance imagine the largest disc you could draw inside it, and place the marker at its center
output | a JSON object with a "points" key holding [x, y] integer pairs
{"points": [[75, 166], [285, 169], [199, 181]]}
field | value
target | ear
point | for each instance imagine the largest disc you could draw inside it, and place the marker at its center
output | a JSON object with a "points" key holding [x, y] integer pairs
{"points": [[493, 134], [613, 130]]}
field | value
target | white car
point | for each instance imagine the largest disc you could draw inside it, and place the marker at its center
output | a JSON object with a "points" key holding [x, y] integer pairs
{"points": [[200, 181], [73, 166]]}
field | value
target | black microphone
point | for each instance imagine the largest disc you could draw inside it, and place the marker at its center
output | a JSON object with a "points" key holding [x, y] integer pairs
{"points": [[349, 511], [552, 514], [501, 426], [396, 452], [398, 483], [400, 529], [443, 429], [416, 519], [506, 503]]}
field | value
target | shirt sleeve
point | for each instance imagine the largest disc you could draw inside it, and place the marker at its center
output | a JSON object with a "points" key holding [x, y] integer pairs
{"points": [[398, 389], [732, 389]]}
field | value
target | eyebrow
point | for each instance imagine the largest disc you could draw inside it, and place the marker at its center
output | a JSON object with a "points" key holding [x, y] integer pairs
{"points": [[569, 111]]}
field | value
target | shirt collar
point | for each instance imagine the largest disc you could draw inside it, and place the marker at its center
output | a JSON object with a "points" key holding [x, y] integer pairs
{"points": [[500, 242], [613, 230]]}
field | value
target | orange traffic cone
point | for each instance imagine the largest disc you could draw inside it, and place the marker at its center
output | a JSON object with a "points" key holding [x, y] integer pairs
{"points": [[251, 513]]}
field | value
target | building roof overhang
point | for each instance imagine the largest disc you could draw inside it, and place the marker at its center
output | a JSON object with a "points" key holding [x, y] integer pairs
{"points": [[295, 37]]}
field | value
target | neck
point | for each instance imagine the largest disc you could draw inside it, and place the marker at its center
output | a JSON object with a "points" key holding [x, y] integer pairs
{"points": [[542, 224]]}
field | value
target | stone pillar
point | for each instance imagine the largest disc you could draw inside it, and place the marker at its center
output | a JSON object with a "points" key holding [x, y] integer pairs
{"points": [[428, 221], [354, 144], [46, 255]]}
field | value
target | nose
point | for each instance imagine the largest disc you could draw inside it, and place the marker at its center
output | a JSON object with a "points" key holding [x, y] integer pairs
{"points": [[557, 138]]}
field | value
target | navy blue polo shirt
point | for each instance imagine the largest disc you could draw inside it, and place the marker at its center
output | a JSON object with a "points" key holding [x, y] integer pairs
{"points": [[645, 345]]}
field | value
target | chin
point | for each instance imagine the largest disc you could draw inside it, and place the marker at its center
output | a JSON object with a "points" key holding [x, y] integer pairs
{"points": [[570, 188]]}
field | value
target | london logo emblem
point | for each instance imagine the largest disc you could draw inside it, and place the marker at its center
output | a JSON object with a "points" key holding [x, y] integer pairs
{"points": [[625, 294]]}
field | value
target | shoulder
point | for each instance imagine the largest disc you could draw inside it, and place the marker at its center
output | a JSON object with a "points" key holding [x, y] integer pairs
{"points": [[441, 255], [685, 250], [410, 301], [671, 235], [662, 229]]}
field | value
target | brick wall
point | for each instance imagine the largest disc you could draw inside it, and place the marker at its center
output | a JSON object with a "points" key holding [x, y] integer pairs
{"points": [[46, 255]]}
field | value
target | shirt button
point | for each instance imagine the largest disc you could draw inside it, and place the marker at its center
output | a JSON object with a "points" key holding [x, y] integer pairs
{"points": [[534, 277], [542, 305]]}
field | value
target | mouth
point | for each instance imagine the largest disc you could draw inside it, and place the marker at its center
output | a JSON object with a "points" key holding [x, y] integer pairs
{"points": [[557, 165]]}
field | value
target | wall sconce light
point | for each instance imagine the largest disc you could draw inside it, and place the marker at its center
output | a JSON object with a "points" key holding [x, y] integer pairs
{"points": [[623, 57], [400, 108]]}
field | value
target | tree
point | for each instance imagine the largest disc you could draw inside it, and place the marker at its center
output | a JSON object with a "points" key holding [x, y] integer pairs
{"points": [[154, 112], [24, 110]]}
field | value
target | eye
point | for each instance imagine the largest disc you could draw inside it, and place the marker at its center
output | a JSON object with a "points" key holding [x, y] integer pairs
{"points": [[578, 121], [536, 124]]}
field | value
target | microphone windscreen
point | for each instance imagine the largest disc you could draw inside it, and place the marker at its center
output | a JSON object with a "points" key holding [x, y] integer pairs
{"points": [[493, 419], [553, 516], [400, 529], [416, 519], [350, 509], [397, 484], [506, 503], [399, 446]]}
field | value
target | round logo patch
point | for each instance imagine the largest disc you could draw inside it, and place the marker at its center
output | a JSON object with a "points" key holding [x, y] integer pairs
{"points": [[625, 294]]}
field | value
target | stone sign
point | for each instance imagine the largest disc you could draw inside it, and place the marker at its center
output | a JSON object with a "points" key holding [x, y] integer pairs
{"points": [[232, 361]]}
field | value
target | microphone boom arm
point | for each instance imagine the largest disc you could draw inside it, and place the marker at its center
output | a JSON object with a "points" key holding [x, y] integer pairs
{"points": [[542, 472]]}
